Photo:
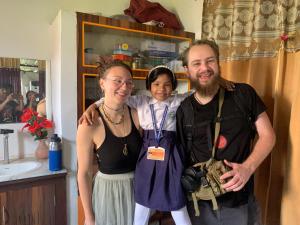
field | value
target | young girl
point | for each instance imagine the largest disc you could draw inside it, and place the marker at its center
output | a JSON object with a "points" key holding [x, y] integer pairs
{"points": [[160, 164], [158, 171]]}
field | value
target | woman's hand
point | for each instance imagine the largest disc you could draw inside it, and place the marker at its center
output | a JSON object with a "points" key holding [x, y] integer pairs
{"points": [[10, 97]]}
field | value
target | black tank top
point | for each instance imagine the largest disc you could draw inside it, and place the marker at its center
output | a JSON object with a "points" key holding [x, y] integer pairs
{"points": [[110, 157]]}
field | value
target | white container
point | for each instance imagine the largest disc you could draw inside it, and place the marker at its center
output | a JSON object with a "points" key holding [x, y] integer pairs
{"points": [[147, 45]]}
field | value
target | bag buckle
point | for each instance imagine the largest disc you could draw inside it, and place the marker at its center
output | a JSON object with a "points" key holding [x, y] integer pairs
{"points": [[204, 182]]}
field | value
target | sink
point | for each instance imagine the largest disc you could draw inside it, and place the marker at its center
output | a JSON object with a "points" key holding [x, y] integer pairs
{"points": [[17, 168]]}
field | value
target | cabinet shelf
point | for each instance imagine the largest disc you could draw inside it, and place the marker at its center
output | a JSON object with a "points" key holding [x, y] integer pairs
{"points": [[140, 46]]}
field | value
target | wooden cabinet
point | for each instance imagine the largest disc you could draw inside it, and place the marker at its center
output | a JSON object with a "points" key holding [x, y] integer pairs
{"points": [[141, 46], [34, 201]]}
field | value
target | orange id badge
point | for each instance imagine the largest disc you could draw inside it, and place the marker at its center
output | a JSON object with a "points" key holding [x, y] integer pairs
{"points": [[156, 153]]}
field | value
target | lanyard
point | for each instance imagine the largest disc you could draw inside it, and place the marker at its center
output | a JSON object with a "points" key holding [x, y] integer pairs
{"points": [[157, 132]]}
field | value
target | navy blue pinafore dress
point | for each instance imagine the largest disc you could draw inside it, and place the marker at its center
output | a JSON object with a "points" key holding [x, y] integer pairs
{"points": [[157, 183]]}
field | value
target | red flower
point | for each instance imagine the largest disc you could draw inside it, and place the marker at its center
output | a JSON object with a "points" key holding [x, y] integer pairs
{"points": [[27, 115], [284, 37], [36, 125], [46, 124]]}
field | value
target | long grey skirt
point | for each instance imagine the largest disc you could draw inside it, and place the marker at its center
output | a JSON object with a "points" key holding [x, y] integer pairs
{"points": [[113, 199]]}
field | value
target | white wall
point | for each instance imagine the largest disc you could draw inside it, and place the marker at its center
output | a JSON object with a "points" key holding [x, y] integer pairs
{"points": [[24, 24], [36, 29], [189, 12]]}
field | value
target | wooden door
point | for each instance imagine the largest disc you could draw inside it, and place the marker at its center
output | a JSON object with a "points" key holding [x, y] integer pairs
{"points": [[28, 206]]}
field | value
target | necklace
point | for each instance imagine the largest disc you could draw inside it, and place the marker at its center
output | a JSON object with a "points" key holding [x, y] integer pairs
{"points": [[108, 117], [125, 149], [197, 99], [116, 110], [204, 101]]}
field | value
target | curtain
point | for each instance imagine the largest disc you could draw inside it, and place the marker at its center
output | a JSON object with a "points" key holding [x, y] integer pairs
{"points": [[245, 28], [259, 43], [9, 63], [10, 74], [10, 79], [42, 78], [42, 82]]}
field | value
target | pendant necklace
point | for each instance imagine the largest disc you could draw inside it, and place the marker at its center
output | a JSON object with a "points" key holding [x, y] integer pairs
{"points": [[108, 117], [125, 149]]}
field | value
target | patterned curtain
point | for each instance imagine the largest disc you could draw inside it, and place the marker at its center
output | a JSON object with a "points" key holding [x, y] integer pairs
{"points": [[10, 79], [10, 74], [246, 28], [9, 63], [42, 78]]}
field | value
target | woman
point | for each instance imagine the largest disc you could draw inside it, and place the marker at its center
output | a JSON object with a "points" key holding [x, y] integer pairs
{"points": [[31, 101], [109, 198]]}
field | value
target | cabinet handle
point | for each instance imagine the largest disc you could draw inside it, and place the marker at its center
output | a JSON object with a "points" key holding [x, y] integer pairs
{"points": [[5, 216]]}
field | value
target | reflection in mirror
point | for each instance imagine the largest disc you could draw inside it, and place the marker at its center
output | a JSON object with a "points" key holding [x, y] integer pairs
{"points": [[22, 85]]}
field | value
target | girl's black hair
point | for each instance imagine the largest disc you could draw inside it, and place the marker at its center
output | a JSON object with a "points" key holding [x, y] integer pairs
{"points": [[159, 70]]}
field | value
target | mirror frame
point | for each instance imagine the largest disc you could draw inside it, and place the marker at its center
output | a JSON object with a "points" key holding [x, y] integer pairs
{"points": [[48, 92]]}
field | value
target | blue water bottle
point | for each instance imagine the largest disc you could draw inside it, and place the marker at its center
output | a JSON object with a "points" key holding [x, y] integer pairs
{"points": [[55, 153]]}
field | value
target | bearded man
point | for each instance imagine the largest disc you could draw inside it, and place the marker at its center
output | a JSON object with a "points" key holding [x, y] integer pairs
{"points": [[242, 112]]}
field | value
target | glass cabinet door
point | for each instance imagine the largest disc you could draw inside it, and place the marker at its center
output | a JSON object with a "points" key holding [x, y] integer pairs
{"points": [[140, 46], [142, 50]]}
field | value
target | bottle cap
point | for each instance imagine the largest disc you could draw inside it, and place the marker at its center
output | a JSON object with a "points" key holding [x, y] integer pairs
{"points": [[55, 138]]}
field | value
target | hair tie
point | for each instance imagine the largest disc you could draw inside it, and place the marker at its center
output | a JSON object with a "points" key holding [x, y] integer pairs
{"points": [[161, 66]]}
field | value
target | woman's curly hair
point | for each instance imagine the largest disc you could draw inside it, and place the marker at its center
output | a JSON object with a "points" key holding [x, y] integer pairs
{"points": [[106, 62]]}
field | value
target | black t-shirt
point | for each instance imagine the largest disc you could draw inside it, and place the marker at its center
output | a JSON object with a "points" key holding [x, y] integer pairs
{"points": [[235, 133]]}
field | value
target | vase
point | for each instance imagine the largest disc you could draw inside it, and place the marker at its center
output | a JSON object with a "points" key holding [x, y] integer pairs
{"points": [[42, 149]]}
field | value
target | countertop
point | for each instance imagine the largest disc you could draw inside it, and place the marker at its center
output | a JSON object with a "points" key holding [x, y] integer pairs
{"points": [[40, 170]]}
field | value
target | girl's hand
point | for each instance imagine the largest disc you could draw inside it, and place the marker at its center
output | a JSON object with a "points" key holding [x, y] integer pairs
{"points": [[228, 85]]}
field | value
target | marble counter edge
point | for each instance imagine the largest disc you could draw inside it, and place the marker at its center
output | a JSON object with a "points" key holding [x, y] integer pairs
{"points": [[41, 171]]}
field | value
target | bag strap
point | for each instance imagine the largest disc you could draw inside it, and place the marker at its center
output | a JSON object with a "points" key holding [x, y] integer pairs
{"points": [[196, 206], [218, 121], [188, 112], [210, 196], [189, 121], [217, 125]]}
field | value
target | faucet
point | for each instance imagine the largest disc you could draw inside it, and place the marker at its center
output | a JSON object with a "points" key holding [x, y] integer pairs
{"points": [[5, 133]]}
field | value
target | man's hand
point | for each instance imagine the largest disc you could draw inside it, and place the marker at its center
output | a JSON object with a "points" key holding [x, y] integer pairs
{"points": [[239, 176], [89, 116]]}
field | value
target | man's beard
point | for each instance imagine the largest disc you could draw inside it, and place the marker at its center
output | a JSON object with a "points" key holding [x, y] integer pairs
{"points": [[207, 89]]}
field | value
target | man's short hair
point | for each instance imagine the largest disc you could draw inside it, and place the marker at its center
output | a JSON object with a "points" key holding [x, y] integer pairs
{"points": [[210, 43]]}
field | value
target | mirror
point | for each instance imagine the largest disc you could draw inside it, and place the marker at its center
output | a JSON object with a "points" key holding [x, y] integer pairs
{"points": [[22, 85]]}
